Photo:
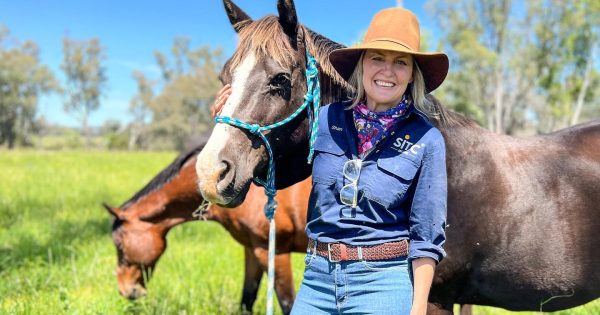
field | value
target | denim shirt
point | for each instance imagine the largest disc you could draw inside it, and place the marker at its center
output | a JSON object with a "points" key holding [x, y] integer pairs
{"points": [[402, 185]]}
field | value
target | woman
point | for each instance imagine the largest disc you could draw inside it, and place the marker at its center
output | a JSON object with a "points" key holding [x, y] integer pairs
{"points": [[377, 209]]}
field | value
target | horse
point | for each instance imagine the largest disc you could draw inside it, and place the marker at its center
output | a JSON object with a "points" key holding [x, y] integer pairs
{"points": [[523, 213], [141, 224]]}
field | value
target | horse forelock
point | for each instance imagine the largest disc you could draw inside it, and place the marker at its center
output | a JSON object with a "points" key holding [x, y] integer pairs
{"points": [[266, 39]]}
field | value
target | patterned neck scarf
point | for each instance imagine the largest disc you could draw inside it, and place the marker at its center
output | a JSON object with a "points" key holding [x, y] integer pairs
{"points": [[373, 126]]}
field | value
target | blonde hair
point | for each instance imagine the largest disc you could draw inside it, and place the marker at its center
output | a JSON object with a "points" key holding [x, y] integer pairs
{"points": [[416, 90]]}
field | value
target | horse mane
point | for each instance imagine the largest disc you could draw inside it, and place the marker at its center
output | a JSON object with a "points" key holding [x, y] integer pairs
{"points": [[445, 118], [165, 176], [333, 86], [266, 37]]}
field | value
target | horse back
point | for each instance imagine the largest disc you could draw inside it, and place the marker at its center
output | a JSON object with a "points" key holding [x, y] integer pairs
{"points": [[523, 215]]}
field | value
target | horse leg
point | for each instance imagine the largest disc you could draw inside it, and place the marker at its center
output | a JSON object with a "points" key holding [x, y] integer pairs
{"points": [[252, 275], [466, 309], [437, 309], [284, 282]]}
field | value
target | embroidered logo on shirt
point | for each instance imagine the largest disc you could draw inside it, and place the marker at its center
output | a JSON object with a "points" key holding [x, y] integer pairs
{"points": [[406, 147], [336, 128]]}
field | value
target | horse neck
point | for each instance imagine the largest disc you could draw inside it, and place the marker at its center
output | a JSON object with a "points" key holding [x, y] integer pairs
{"points": [[172, 204]]}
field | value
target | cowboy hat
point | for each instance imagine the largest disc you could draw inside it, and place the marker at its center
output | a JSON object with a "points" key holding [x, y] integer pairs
{"points": [[394, 29]]}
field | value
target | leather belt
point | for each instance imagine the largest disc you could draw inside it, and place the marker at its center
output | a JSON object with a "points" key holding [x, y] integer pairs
{"points": [[336, 252]]}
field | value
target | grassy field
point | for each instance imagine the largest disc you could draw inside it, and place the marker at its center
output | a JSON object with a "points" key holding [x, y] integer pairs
{"points": [[57, 257]]}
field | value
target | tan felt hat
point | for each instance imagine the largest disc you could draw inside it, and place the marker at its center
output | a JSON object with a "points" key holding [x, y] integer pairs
{"points": [[394, 29]]}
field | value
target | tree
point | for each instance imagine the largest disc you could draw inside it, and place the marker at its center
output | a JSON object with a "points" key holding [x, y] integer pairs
{"points": [[480, 45], [509, 66], [22, 80], [568, 35], [180, 108], [139, 107], [86, 78]]}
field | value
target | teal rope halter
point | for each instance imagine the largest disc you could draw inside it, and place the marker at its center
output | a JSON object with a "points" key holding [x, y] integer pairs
{"points": [[313, 96]]}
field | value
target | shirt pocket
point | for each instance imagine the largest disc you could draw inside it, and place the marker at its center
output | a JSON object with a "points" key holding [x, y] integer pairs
{"points": [[393, 178], [328, 161]]}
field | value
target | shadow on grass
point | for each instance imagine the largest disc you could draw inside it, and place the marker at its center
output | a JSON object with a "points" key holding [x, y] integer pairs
{"points": [[60, 245]]}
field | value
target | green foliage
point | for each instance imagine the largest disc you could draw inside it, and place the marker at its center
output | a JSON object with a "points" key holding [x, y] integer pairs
{"points": [[114, 135], [22, 80], [179, 109], [73, 139], [86, 78], [565, 57], [116, 141], [511, 61]]}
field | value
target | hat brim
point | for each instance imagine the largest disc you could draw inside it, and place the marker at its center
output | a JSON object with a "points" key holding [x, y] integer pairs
{"points": [[434, 66]]}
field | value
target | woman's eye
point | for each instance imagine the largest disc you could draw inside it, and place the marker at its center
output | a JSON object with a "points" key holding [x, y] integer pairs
{"points": [[400, 62]]}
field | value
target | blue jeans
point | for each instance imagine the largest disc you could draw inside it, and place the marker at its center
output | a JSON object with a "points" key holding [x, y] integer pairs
{"points": [[354, 287]]}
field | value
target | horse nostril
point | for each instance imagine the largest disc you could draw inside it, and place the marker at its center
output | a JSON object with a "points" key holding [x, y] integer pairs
{"points": [[226, 175], [133, 294], [224, 167]]}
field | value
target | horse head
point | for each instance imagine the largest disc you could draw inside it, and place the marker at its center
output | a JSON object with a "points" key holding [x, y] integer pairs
{"points": [[267, 75], [139, 246], [140, 225]]}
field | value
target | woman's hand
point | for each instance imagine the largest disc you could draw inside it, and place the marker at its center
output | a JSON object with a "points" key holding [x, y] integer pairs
{"points": [[221, 99]]}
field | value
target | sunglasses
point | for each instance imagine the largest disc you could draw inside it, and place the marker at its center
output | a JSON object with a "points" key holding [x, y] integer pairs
{"points": [[349, 193]]}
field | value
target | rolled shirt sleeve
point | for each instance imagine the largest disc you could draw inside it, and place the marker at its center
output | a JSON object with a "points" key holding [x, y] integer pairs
{"points": [[427, 219]]}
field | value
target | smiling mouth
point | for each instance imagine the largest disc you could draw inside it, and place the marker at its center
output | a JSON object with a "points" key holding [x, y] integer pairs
{"points": [[384, 83]]}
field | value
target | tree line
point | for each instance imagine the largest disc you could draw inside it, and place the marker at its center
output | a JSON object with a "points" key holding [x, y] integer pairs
{"points": [[168, 113], [516, 67], [521, 66]]}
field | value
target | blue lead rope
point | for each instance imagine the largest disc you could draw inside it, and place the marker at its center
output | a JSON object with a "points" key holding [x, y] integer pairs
{"points": [[313, 96]]}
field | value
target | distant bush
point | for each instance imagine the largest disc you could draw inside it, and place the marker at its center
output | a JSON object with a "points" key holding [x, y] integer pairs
{"points": [[116, 141]]}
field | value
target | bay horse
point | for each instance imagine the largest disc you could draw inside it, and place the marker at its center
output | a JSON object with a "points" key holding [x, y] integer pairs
{"points": [[523, 213], [141, 224]]}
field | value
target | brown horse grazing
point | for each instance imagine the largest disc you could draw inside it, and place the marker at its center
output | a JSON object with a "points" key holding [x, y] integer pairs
{"points": [[142, 223], [523, 213]]}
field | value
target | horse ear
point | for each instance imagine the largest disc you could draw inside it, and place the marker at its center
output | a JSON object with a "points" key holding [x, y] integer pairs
{"points": [[288, 18], [236, 15], [113, 211]]}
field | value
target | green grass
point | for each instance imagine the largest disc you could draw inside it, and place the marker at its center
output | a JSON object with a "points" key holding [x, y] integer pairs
{"points": [[57, 257]]}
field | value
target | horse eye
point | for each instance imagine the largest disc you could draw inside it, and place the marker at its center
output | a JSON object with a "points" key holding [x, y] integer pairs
{"points": [[280, 80], [281, 85]]}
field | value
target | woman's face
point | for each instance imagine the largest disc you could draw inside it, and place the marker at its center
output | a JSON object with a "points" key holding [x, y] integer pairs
{"points": [[386, 74]]}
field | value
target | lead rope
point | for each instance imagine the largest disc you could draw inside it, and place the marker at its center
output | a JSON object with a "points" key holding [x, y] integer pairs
{"points": [[313, 96]]}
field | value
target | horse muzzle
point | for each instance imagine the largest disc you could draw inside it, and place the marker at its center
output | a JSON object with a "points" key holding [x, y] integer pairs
{"points": [[133, 292], [219, 184]]}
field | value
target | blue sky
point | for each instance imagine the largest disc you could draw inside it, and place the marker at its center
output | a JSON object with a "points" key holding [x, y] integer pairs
{"points": [[132, 30]]}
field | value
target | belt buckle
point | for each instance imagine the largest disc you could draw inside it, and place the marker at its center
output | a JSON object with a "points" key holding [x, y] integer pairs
{"points": [[329, 254]]}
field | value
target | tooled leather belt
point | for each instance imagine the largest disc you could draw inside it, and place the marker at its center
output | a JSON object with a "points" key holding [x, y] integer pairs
{"points": [[341, 252]]}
